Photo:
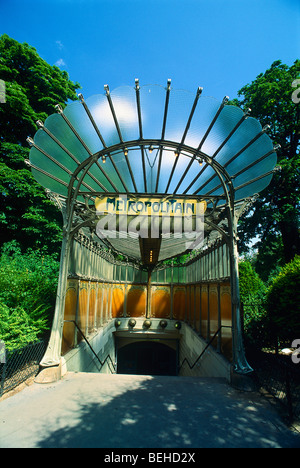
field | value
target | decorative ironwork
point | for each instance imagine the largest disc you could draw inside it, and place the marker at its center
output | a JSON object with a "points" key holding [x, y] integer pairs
{"points": [[103, 145]]}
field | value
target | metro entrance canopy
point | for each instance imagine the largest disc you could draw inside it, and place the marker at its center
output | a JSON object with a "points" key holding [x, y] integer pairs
{"points": [[155, 151]]}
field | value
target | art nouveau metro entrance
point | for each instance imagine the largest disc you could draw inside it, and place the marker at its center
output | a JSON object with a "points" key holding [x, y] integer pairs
{"points": [[151, 182]]}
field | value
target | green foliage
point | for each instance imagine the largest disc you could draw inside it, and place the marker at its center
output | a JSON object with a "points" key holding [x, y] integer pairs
{"points": [[18, 328], [270, 257], [33, 88], [28, 284], [252, 288], [28, 273], [283, 301], [275, 212], [252, 292]]}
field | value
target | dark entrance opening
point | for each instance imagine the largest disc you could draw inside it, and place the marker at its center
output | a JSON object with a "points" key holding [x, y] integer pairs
{"points": [[147, 358]]}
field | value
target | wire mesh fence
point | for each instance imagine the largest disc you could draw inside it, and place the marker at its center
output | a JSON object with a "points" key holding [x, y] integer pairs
{"points": [[19, 365], [281, 378], [275, 372]]}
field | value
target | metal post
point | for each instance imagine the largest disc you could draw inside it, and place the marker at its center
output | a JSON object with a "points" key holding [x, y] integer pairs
{"points": [[240, 364], [53, 353], [219, 345], [3, 374]]}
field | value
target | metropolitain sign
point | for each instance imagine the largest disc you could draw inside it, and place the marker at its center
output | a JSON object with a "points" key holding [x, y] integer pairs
{"points": [[150, 206]]}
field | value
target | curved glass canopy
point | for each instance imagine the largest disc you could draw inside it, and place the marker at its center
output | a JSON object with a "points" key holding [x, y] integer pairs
{"points": [[153, 140]]}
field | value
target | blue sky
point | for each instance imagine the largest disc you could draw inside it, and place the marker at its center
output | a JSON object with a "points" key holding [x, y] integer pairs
{"points": [[218, 44]]}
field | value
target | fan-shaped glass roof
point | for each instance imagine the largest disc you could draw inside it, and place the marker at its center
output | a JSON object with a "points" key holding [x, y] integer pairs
{"points": [[156, 141]]}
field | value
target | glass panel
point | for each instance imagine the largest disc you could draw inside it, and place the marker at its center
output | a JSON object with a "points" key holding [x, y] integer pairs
{"points": [[169, 159], [45, 142], [213, 311], [93, 184], [78, 117], [205, 111], [136, 275], [193, 171], [135, 161], [204, 310], [124, 102], [60, 129], [100, 176], [152, 99], [262, 167], [254, 187], [154, 277], [225, 123], [179, 303], [130, 274], [161, 276], [226, 320], [202, 184], [49, 183], [169, 274], [175, 275], [111, 173], [246, 132], [171, 247], [180, 106], [100, 110], [181, 274], [120, 162], [144, 277], [43, 162], [258, 149]]}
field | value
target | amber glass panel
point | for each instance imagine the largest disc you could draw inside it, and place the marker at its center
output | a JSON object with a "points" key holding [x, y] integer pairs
{"points": [[110, 291], [92, 305], [160, 302], [213, 311], [188, 304], [226, 319], [70, 313], [118, 296], [82, 308], [179, 302], [136, 301], [104, 303], [99, 306], [204, 310], [192, 306], [197, 307]]}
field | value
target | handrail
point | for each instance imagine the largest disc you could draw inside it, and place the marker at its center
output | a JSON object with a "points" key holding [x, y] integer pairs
{"points": [[89, 345], [205, 349]]}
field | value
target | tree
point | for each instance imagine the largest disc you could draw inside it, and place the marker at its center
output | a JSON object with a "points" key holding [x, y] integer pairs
{"points": [[253, 290], [283, 302], [28, 283], [32, 89], [275, 215]]}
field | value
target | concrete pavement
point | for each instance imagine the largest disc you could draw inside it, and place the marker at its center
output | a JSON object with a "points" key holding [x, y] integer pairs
{"points": [[132, 411]]}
